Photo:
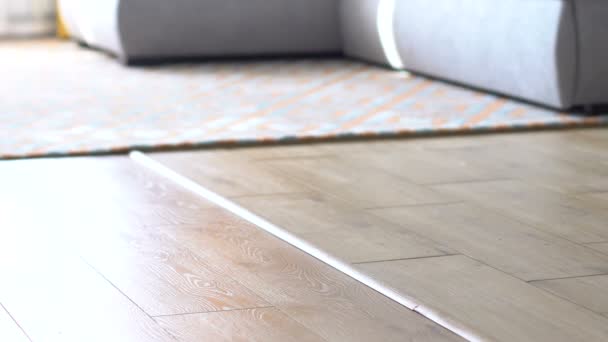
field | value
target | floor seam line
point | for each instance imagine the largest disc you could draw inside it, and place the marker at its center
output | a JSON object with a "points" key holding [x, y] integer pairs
{"points": [[2, 307], [96, 271], [571, 277], [405, 259]]}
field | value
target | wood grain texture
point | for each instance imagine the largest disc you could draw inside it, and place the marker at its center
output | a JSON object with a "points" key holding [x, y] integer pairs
{"points": [[589, 292], [323, 300], [353, 235], [54, 295], [262, 324], [493, 304], [90, 261], [542, 208], [87, 243], [121, 180], [597, 200], [522, 203], [229, 174], [584, 147], [600, 247], [9, 330], [553, 161], [357, 183], [164, 278], [156, 273], [501, 242], [425, 166], [273, 152]]}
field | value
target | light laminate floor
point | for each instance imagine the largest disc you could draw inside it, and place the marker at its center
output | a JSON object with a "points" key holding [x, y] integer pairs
{"points": [[100, 249], [501, 235]]}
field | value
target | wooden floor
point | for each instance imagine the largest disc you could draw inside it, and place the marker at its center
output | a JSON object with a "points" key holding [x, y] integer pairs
{"points": [[100, 249], [504, 236]]}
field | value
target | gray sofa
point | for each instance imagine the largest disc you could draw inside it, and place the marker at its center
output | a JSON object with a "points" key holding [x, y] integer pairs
{"points": [[551, 52]]}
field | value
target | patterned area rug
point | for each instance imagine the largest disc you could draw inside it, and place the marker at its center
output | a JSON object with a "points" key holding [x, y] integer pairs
{"points": [[58, 99]]}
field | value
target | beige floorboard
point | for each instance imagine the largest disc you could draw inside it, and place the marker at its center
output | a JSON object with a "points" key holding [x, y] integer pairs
{"points": [[597, 200], [273, 152], [557, 166], [92, 260], [55, 296], [164, 278], [427, 166], [501, 242], [230, 174], [253, 325], [522, 206], [346, 232], [589, 292], [542, 208], [493, 304], [9, 330], [156, 273], [601, 247], [360, 184], [325, 301]]}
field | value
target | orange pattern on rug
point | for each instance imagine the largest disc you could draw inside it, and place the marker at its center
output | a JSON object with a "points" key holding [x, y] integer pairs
{"points": [[58, 99]]}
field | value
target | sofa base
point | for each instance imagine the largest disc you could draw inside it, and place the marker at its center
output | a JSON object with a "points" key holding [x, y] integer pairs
{"points": [[152, 61]]}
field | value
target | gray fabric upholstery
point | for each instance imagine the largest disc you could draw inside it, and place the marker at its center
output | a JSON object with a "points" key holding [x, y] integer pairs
{"points": [[592, 78], [360, 30], [521, 48], [228, 27], [151, 29]]}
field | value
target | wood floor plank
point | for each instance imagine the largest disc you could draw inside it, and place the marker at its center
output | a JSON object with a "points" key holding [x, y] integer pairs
{"points": [[590, 292], [54, 295], [262, 324], [156, 273], [494, 305], [585, 148], [601, 247], [279, 152], [501, 242], [424, 166], [357, 183], [548, 210], [597, 200], [323, 300], [120, 179], [164, 278], [550, 167], [61, 296], [9, 330], [459, 141], [229, 174], [348, 233]]}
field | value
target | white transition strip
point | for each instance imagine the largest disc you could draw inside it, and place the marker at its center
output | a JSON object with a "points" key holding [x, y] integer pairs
{"points": [[299, 243]]}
